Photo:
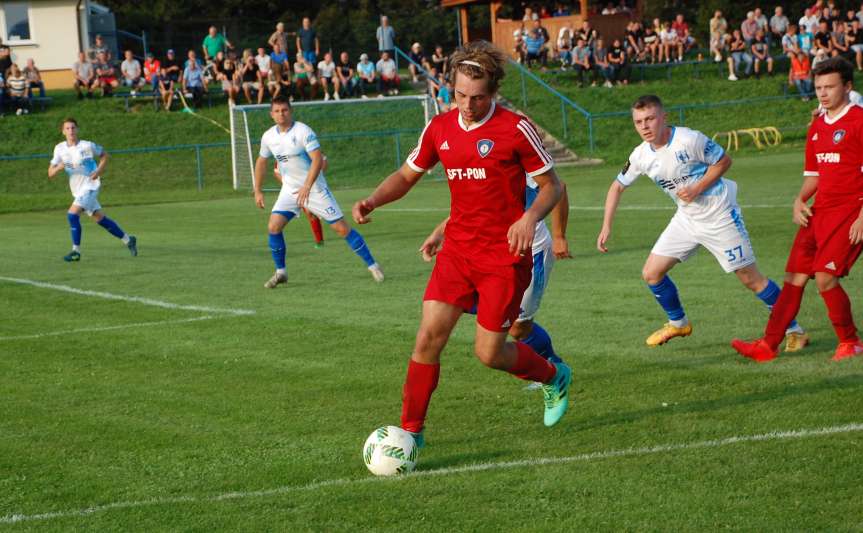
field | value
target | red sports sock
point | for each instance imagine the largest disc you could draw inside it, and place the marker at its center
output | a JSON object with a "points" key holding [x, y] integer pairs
{"points": [[784, 311], [839, 311], [531, 366], [420, 383], [315, 223]]}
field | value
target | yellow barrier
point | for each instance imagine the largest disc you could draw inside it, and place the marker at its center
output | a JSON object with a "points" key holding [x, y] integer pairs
{"points": [[761, 137]]}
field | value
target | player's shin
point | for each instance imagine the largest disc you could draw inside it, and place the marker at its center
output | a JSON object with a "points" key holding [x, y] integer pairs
{"points": [[359, 247], [784, 310], [530, 366], [540, 341], [277, 249], [74, 229], [315, 224], [839, 311], [769, 295], [420, 383], [112, 227], [666, 295]]}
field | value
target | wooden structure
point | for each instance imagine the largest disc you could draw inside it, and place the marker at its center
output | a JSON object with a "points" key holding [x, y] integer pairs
{"points": [[502, 30]]}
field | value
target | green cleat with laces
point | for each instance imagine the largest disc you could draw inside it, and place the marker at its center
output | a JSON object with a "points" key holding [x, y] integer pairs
{"points": [[556, 394]]}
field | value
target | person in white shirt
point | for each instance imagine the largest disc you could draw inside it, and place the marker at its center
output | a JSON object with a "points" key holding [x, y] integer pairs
{"points": [[132, 73], [263, 61], [78, 158], [327, 74], [298, 152]]}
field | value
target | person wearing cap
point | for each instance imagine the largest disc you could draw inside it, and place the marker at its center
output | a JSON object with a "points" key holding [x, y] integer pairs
{"points": [[152, 71], [98, 47], [169, 78], [417, 59], [366, 72]]}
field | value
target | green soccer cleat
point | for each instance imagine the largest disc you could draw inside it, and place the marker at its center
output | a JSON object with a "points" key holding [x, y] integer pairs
{"points": [[133, 245], [556, 395], [319, 245], [72, 257], [419, 438]]}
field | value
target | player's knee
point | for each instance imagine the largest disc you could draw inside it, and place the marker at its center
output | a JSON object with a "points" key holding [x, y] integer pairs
{"points": [[490, 357], [429, 344], [651, 276], [825, 281], [341, 228]]}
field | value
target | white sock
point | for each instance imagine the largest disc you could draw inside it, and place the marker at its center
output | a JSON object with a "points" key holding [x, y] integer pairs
{"points": [[125, 238], [76, 248], [682, 323], [281, 271], [795, 329]]}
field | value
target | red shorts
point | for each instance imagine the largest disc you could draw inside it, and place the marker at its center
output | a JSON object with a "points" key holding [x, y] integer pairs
{"points": [[823, 246], [496, 291]]}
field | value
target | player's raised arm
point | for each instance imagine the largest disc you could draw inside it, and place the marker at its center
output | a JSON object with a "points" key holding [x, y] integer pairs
{"points": [[520, 234], [559, 222], [612, 199], [395, 186], [260, 172]]}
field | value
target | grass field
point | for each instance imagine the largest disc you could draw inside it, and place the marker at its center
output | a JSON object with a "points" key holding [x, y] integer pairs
{"points": [[123, 415]]}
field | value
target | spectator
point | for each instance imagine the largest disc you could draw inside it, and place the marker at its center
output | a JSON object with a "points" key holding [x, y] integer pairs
{"points": [[152, 71], [529, 15], [193, 82], [800, 75], [790, 46], [587, 33], [860, 14], [347, 75], [839, 40], [533, 47], [388, 77], [669, 40], [283, 78], [105, 75], [546, 40], [99, 47], [855, 37], [5, 58], [634, 41], [280, 38], [444, 95], [761, 20], [2, 94], [131, 71], [386, 37], [748, 29], [609, 9], [307, 43], [263, 62], [581, 60], [778, 25], [808, 23], [271, 83], [304, 76], [600, 62], [761, 54], [617, 57], [191, 56], [820, 55], [250, 76], [279, 56], [739, 54], [228, 73], [366, 73], [544, 13], [560, 10], [823, 39], [519, 47], [718, 30], [439, 60], [850, 16], [34, 79], [564, 46], [170, 78], [16, 85], [214, 43], [416, 58], [327, 74], [651, 43], [806, 41], [685, 39]]}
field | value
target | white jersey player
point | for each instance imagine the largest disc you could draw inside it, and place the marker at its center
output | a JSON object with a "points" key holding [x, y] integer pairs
{"points": [[298, 153], [78, 158], [689, 168]]}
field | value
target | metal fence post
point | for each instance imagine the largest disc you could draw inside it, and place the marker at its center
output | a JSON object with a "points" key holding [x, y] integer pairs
{"points": [[198, 164], [680, 116], [563, 113], [591, 143], [523, 91], [398, 150]]}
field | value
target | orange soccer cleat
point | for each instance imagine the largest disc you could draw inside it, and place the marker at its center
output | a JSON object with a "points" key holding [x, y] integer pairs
{"points": [[848, 349], [757, 350]]}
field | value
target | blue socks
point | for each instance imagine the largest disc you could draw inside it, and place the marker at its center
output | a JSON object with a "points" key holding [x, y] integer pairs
{"points": [[74, 228], [666, 294], [112, 227], [769, 296], [358, 245], [277, 248], [540, 341]]}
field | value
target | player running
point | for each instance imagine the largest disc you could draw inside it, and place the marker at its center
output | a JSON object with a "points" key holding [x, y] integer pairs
{"points": [[296, 148], [546, 248], [689, 167], [78, 158], [830, 237], [485, 260]]}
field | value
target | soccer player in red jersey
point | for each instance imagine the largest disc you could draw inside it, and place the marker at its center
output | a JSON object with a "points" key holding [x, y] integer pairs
{"points": [[830, 237], [486, 258]]}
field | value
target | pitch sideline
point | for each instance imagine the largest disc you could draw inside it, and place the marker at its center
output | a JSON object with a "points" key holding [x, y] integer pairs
{"points": [[466, 469]]}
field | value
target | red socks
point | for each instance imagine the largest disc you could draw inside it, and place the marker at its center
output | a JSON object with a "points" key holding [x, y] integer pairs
{"points": [[420, 383], [315, 223], [531, 366], [839, 311], [784, 311]]}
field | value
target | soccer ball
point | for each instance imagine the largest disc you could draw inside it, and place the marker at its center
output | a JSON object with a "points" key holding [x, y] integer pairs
{"points": [[389, 451]]}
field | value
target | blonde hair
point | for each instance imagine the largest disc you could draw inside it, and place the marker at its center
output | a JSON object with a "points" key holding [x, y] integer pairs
{"points": [[478, 60]]}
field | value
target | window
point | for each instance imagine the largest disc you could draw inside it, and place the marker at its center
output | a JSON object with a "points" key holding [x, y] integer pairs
{"points": [[17, 15]]}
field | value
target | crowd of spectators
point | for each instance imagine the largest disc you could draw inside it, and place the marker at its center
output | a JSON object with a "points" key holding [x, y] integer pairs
{"points": [[17, 84]]}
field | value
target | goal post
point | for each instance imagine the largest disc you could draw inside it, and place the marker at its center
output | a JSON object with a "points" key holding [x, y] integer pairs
{"points": [[355, 134]]}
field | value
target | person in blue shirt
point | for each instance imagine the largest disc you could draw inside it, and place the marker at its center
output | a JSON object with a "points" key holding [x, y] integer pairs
{"points": [[193, 82], [534, 45]]}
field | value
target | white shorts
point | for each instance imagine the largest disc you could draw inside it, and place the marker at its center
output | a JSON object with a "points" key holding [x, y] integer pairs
{"points": [[321, 202], [726, 238], [89, 202], [543, 261]]}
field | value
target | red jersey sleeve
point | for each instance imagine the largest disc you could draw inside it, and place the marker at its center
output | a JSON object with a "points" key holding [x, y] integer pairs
{"points": [[534, 159], [425, 155], [810, 164]]}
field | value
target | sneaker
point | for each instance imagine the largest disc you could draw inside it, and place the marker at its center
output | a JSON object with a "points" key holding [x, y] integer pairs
{"points": [[133, 245], [717, 58], [19, 112], [364, 97], [377, 273], [396, 92], [319, 245], [848, 349], [337, 96], [795, 341], [556, 395], [757, 350], [326, 96], [419, 438], [732, 78], [133, 93], [668, 332], [73, 256], [276, 280]]}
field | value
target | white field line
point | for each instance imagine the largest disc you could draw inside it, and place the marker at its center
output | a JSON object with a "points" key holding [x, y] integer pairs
{"points": [[668, 207], [107, 328], [132, 299], [466, 469]]}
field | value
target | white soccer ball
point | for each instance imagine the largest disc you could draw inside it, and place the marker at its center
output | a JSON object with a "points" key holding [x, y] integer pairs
{"points": [[390, 451]]}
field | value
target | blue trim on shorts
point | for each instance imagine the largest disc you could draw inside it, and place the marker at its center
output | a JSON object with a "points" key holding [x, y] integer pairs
{"points": [[287, 214], [539, 272]]}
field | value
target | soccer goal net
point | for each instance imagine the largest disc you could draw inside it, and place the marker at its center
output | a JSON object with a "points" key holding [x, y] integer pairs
{"points": [[363, 139]]}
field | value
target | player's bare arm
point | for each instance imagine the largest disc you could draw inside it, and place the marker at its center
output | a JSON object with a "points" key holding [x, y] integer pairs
{"points": [[314, 171], [612, 199], [260, 172], [714, 172], [801, 210], [433, 242], [559, 222], [103, 161], [520, 234], [394, 187], [856, 232], [53, 170]]}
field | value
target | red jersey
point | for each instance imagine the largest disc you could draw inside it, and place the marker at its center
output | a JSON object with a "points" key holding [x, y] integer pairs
{"points": [[486, 165], [834, 153]]}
